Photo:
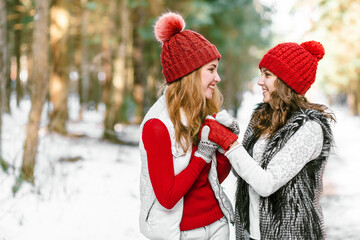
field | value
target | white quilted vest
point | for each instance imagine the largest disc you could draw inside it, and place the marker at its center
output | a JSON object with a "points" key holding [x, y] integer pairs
{"points": [[157, 222]]}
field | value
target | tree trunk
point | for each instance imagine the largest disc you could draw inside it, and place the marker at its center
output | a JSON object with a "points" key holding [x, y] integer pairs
{"points": [[154, 69], [107, 62], [9, 44], [3, 66], [150, 91], [139, 18], [113, 107], [356, 93], [38, 88], [17, 52], [8, 82], [84, 73], [227, 85], [59, 85], [351, 98], [107, 66]]}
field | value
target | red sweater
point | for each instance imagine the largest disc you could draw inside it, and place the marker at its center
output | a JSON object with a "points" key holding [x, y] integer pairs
{"points": [[200, 205]]}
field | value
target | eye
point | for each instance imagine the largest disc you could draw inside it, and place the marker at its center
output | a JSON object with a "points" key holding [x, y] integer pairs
{"points": [[211, 70], [266, 73]]}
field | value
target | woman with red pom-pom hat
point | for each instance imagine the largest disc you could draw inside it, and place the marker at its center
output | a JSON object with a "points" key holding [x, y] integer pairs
{"points": [[281, 160], [180, 192]]}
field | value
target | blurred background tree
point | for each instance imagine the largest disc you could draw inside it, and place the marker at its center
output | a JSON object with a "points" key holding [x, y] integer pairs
{"points": [[337, 26], [103, 54], [239, 29], [38, 87], [3, 63]]}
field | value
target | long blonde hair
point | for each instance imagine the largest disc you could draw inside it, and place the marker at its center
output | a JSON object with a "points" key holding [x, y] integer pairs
{"points": [[284, 101], [186, 96]]}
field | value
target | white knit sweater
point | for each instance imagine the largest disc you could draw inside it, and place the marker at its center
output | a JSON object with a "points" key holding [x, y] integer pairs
{"points": [[304, 146]]}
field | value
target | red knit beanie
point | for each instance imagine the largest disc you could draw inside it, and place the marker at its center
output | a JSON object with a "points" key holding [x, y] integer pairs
{"points": [[183, 51], [294, 64]]}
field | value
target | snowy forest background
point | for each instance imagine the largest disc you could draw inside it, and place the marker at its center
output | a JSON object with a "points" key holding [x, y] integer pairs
{"points": [[78, 76]]}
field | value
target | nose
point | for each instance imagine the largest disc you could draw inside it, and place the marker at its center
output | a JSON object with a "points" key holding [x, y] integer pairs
{"points": [[217, 78], [260, 81]]}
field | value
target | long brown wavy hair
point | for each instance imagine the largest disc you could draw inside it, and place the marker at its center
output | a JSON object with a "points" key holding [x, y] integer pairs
{"points": [[186, 97], [284, 102]]}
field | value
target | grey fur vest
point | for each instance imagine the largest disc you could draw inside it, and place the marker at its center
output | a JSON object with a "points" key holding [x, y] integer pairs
{"points": [[294, 211]]}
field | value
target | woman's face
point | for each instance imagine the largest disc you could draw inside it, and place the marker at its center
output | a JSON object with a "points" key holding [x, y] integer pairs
{"points": [[267, 83], [210, 77]]}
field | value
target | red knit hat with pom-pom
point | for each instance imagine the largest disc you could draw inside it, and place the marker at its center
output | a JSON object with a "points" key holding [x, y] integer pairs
{"points": [[294, 64], [183, 51]]}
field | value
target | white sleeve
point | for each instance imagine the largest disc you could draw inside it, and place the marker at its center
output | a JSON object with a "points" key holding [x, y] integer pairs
{"points": [[304, 146]]}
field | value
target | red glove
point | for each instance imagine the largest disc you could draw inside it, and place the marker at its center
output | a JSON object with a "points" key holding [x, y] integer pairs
{"points": [[220, 134]]}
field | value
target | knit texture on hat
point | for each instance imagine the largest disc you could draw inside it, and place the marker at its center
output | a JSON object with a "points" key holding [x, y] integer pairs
{"points": [[183, 51], [294, 64]]}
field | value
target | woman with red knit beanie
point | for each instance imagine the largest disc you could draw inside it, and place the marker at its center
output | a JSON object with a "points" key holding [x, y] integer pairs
{"points": [[281, 160], [180, 192]]}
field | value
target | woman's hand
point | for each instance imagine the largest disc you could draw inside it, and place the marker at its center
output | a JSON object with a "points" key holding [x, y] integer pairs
{"points": [[220, 134], [206, 148], [228, 121]]}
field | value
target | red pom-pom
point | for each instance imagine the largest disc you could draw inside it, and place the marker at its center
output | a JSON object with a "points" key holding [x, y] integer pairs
{"points": [[315, 48], [168, 25]]}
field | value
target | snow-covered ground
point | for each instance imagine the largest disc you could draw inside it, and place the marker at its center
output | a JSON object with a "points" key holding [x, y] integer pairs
{"points": [[86, 188]]}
